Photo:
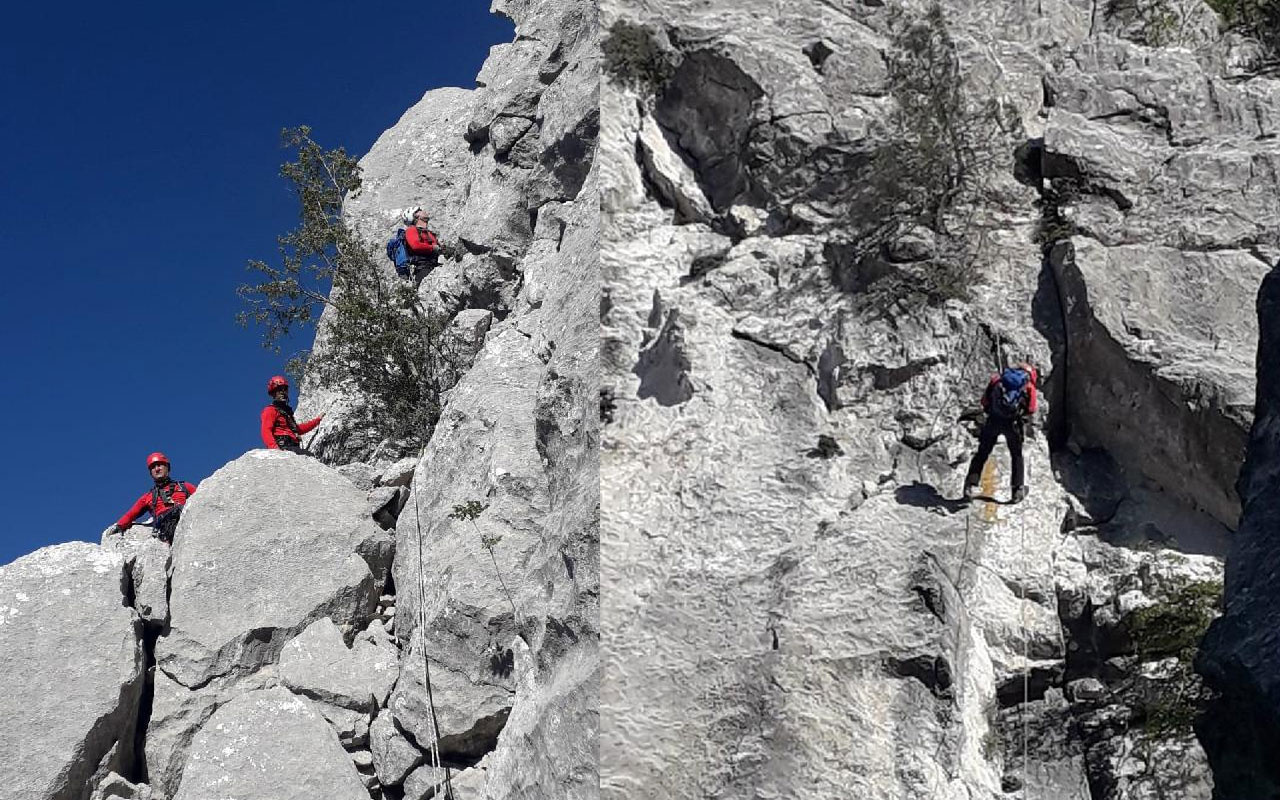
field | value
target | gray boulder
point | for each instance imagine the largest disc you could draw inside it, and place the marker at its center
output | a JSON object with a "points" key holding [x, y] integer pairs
{"points": [[398, 474], [147, 561], [178, 714], [72, 667], [549, 744], [271, 543], [394, 756], [269, 745], [114, 787], [317, 664]]}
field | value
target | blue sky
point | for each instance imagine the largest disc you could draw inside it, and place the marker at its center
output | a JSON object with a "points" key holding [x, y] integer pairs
{"points": [[141, 152]]}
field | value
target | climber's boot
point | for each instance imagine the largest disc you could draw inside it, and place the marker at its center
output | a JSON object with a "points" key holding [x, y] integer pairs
{"points": [[1019, 494]]}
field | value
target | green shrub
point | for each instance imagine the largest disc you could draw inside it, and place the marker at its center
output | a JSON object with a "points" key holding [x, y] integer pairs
{"points": [[1174, 628], [635, 56], [1257, 18], [940, 153], [378, 344]]}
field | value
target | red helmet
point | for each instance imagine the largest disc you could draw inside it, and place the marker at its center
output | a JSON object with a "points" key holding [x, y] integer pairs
{"points": [[157, 458], [276, 383]]}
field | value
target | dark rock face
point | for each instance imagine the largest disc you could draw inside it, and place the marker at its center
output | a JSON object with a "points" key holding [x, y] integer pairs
{"points": [[1241, 654]]}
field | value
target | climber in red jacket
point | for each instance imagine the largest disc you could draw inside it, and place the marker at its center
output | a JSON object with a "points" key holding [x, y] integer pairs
{"points": [[280, 431], [164, 501], [420, 241], [1010, 401], [421, 245]]}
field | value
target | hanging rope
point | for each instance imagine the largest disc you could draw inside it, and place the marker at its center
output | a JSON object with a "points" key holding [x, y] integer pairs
{"points": [[964, 372], [437, 767], [1022, 621]]}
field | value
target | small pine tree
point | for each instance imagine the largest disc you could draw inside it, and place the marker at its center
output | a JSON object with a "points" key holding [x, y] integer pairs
{"points": [[377, 343], [1257, 18], [940, 150]]}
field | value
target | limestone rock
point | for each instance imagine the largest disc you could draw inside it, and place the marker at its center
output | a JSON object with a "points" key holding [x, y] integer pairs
{"points": [[317, 664], [674, 178], [114, 787], [781, 444], [1168, 170], [549, 743], [179, 713], [271, 745], [147, 560], [362, 475], [72, 663], [427, 781], [270, 544], [394, 756], [385, 504], [398, 474], [471, 699]]}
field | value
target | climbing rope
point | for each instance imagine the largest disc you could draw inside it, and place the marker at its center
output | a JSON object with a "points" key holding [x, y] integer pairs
{"points": [[436, 765], [955, 386], [1022, 622]]}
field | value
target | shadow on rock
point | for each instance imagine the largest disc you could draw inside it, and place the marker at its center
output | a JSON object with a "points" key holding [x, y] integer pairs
{"points": [[923, 495]]}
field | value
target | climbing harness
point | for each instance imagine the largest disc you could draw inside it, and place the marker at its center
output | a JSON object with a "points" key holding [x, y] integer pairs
{"points": [[436, 765], [165, 493]]}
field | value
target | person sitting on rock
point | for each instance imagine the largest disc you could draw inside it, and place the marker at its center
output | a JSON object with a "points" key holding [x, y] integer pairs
{"points": [[280, 431], [1009, 400], [164, 501], [421, 245]]}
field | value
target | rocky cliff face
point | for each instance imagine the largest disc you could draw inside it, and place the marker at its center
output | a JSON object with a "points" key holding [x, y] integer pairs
{"points": [[796, 606], [332, 632]]}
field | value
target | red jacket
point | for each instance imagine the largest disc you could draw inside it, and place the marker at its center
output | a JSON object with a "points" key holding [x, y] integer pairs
{"points": [[276, 423], [420, 242], [181, 491], [1031, 390]]}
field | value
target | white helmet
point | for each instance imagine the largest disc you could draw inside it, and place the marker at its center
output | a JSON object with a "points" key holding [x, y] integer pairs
{"points": [[409, 214]]}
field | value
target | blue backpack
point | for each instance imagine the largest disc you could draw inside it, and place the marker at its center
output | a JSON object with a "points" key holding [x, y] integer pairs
{"points": [[398, 252], [1010, 394]]}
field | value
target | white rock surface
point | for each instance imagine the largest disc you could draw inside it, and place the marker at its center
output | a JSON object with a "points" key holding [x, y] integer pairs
{"points": [[269, 745], [796, 606], [72, 667], [394, 756], [147, 559], [270, 544], [318, 665]]}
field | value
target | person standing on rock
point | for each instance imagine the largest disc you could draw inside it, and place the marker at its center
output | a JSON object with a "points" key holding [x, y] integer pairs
{"points": [[280, 431], [164, 501], [1010, 401]]}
